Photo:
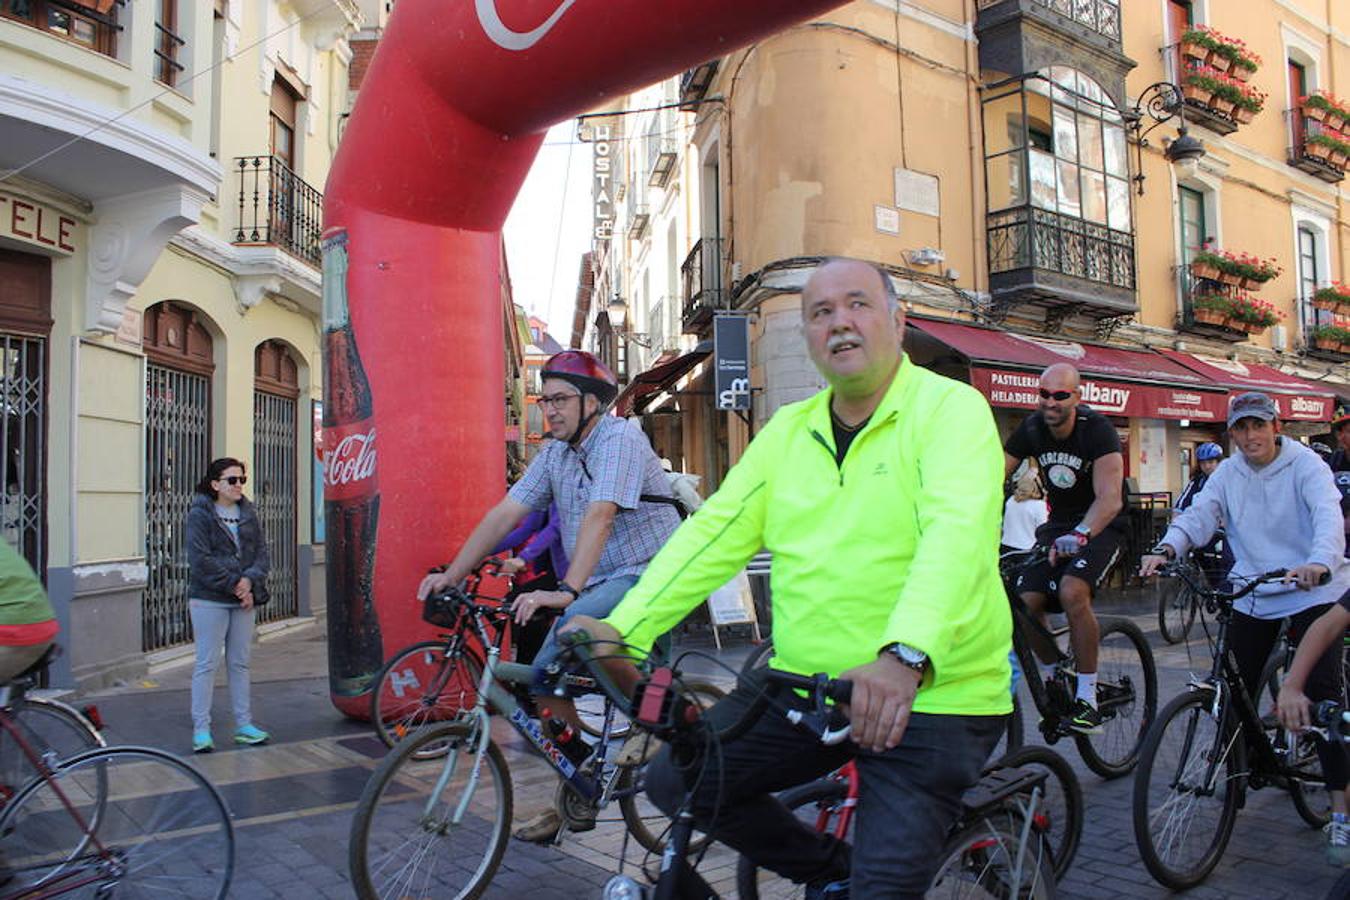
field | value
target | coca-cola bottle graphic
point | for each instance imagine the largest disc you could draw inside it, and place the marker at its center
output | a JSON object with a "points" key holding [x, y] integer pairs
{"points": [[351, 490]]}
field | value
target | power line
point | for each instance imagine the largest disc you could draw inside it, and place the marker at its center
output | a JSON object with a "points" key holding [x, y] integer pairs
{"points": [[557, 239], [144, 103]]}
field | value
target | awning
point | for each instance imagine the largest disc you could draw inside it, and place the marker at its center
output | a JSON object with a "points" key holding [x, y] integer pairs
{"points": [[1006, 368], [658, 378], [1295, 398]]}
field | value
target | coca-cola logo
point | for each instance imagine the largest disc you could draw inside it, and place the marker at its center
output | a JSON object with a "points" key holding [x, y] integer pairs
{"points": [[508, 38], [349, 460]]}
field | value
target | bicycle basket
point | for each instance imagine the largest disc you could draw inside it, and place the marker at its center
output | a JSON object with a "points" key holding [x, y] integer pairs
{"points": [[442, 609]]}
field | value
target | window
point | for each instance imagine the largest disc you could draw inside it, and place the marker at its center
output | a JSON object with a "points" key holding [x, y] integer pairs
{"points": [[1180, 17], [1193, 230], [282, 121], [1307, 263], [167, 42], [90, 23], [1298, 87]]}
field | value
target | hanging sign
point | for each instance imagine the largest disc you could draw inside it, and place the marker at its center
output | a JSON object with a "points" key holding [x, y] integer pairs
{"points": [[731, 356]]}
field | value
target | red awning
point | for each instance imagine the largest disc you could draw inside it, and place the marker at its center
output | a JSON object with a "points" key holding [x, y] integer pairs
{"points": [[657, 378], [1006, 368], [1294, 397]]}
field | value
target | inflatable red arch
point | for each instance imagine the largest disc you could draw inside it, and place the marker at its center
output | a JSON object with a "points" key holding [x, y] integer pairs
{"points": [[450, 116]]}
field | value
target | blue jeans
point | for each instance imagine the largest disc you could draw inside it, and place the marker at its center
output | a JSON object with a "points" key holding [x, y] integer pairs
{"points": [[597, 601], [910, 796], [215, 625]]}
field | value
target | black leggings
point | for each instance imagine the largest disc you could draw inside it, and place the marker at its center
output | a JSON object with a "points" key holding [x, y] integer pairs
{"points": [[1251, 641]]}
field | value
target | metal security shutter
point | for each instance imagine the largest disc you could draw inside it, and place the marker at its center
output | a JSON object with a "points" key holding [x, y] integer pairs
{"points": [[177, 452], [274, 481]]}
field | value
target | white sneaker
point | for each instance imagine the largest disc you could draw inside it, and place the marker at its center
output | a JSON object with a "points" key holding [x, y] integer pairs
{"points": [[1338, 843]]}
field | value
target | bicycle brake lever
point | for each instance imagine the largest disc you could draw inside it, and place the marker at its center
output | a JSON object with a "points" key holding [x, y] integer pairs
{"points": [[818, 723]]}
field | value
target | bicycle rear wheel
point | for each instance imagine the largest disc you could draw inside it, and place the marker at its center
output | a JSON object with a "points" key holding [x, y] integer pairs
{"points": [[51, 729], [421, 684], [987, 861], [1059, 814], [1187, 790], [150, 825], [817, 805], [419, 831], [1127, 695], [1176, 609]]}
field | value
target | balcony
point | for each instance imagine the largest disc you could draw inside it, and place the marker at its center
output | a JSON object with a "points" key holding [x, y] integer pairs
{"points": [[639, 218], [1043, 258], [1315, 147], [1326, 324], [662, 149], [1198, 316], [278, 208], [702, 275], [1099, 19], [695, 82], [1020, 36]]}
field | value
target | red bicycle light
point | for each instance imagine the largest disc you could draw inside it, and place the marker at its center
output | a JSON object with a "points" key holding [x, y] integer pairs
{"points": [[92, 714]]}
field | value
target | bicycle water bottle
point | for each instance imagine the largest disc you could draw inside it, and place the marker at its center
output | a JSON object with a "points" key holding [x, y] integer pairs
{"points": [[566, 739]]}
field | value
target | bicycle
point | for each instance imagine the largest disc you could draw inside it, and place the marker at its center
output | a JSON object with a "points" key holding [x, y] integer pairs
{"points": [[1207, 747], [445, 789], [1127, 681], [54, 729], [1178, 605], [994, 849], [109, 820], [828, 804], [434, 680]]}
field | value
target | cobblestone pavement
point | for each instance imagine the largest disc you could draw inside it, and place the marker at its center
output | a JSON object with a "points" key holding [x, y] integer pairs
{"points": [[292, 799]]}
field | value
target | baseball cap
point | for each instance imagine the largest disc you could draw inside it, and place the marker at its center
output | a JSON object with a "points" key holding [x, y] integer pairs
{"points": [[1251, 405]]}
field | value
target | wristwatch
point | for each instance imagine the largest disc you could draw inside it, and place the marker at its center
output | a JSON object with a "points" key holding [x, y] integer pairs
{"points": [[568, 589], [912, 657], [1164, 550], [1084, 532]]}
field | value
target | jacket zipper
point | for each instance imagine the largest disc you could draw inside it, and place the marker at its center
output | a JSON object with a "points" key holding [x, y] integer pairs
{"points": [[839, 463]]}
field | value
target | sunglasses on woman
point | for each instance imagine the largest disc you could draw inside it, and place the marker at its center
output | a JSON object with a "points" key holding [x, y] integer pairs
{"points": [[235, 479], [1061, 396]]}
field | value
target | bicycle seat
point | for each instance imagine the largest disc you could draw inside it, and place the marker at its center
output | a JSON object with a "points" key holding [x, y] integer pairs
{"points": [[30, 673], [996, 786]]}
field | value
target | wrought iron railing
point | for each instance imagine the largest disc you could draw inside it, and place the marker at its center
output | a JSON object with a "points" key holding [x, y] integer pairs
{"points": [[1313, 158], [1030, 238], [702, 275], [278, 207], [1101, 16], [23, 431], [167, 65]]}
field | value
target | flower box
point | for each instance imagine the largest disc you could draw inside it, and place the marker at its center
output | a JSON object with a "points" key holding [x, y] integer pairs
{"points": [[1197, 93], [1230, 278], [1203, 268], [1316, 113], [1194, 50], [1242, 73], [1210, 316], [1250, 284], [1316, 150], [1218, 61], [1222, 105], [1243, 114]]}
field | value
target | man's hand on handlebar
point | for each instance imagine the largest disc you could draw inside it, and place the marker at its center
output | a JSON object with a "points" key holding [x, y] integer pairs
{"points": [[526, 605], [1306, 577], [883, 695], [1151, 563], [511, 566], [434, 583], [1066, 545]]}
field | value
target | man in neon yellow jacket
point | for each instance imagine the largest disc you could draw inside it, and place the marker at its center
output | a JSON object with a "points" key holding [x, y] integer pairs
{"points": [[880, 499]]}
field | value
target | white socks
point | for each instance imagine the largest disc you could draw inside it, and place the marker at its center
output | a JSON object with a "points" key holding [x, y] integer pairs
{"points": [[1087, 688]]}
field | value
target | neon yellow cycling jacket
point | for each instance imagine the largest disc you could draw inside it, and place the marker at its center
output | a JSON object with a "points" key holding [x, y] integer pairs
{"points": [[899, 543]]}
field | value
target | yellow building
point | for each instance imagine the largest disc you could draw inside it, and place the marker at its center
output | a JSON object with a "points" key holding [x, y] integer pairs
{"points": [[1024, 177], [161, 163]]}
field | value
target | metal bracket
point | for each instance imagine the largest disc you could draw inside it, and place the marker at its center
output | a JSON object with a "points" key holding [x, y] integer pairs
{"points": [[1056, 316], [1106, 327]]}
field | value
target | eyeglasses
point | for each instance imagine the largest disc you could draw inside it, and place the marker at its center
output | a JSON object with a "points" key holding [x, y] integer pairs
{"points": [[234, 479], [556, 400], [1061, 396]]}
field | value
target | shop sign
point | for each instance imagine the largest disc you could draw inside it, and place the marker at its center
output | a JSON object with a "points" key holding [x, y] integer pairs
{"points": [[34, 223], [1300, 407], [602, 186], [1019, 390], [731, 355]]}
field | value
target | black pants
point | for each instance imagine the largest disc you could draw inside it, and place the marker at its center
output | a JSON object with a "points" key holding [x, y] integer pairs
{"points": [[910, 796], [1251, 641]]}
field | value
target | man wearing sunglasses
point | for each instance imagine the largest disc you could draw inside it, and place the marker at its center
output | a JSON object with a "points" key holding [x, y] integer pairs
{"points": [[1082, 468]]}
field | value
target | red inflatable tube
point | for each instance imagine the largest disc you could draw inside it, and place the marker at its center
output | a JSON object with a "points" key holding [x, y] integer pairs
{"points": [[449, 119]]}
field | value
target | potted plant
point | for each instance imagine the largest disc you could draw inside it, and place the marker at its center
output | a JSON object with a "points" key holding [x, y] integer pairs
{"points": [[1328, 146], [1252, 315], [1196, 44], [1227, 93], [1335, 298], [1250, 102], [1245, 62], [1211, 309], [1331, 337], [1200, 85], [1206, 263]]}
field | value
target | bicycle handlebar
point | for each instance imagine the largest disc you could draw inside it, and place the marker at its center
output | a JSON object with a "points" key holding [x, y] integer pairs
{"points": [[1180, 569]]}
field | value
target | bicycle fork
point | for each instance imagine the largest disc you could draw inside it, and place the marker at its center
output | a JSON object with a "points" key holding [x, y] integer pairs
{"points": [[482, 736]]}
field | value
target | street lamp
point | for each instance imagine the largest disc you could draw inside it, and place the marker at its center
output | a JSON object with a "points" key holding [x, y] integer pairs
{"points": [[1162, 102], [618, 318]]}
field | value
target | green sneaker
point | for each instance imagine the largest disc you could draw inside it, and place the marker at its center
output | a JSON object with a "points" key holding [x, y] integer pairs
{"points": [[202, 743], [251, 735]]}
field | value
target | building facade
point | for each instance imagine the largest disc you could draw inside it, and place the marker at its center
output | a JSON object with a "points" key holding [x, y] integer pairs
{"points": [[1026, 171], [161, 173]]}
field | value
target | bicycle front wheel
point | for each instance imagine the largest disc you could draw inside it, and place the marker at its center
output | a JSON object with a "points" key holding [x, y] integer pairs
{"points": [[432, 826], [1059, 814], [148, 825], [1176, 609], [1127, 695], [818, 805], [422, 684], [987, 860], [1187, 790]]}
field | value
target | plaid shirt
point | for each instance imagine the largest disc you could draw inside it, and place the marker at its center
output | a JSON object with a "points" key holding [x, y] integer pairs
{"points": [[615, 462]]}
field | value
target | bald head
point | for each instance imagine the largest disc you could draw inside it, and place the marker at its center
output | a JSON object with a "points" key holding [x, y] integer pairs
{"points": [[834, 263], [1059, 396], [1063, 377]]}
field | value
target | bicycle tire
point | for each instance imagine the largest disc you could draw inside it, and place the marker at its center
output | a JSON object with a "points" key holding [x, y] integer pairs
{"points": [[980, 862], [1124, 660], [1012, 732], [1168, 789], [52, 729], [1177, 607], [381, 830], [1063, 799], [825, 797], [759, 657], [161, 816], [1313, 804], [420, 685], [648, 825], [592, 709]]}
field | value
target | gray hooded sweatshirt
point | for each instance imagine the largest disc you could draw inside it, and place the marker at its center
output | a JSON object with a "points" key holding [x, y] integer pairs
{"points": [[1284, 515]]}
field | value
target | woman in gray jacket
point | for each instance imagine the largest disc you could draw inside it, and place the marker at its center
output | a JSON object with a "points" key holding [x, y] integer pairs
{"points": [[228, 563]]}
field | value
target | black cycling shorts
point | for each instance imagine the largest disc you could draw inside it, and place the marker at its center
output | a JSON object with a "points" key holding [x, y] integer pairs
{"points": [[1092, 564]]}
